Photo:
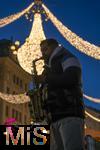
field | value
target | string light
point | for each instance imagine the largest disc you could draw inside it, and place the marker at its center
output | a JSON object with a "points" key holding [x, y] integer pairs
{"points": [[95, 100], [38, 2], [92, 117], [75, 40], [17, 43], [85, 127], [22, 98], [15, 52], [7, 20], [13, 47], [15, 99], [79, 43], [30, 50]]}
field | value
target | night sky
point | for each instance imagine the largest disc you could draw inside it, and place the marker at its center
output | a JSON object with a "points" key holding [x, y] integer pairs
{"points": [[81, 16]]}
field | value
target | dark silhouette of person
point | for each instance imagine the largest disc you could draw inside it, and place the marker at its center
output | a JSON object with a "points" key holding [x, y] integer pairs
{"points": [[64, 104]]}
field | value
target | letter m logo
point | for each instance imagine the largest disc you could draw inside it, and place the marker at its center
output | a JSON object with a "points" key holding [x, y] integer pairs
{"points": [[16, 139]]}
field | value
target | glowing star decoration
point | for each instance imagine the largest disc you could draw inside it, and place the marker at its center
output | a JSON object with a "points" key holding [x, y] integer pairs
{"points": [[30, 50], [80, 44], [7, 20]]}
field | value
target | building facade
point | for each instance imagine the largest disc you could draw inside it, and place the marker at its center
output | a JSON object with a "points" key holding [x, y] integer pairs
{"points": [[13, 80], [92, 125]]}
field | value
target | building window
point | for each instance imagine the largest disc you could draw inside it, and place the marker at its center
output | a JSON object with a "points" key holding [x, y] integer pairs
{"points": [[26, 106], [17, 80], [20, 117], [16, 115], [14, 92], [25, 119], [8, 75], [14, 78], [21, 84], [0, 75], [8, 90], [0, 72], [7, 110], [25, 87]]}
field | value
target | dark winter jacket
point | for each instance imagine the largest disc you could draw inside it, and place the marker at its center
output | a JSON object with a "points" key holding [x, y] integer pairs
{"points": [[63, 77]]}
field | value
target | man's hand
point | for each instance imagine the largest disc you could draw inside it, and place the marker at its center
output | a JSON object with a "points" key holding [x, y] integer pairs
{"points": [[43, 77], [39, 78]]}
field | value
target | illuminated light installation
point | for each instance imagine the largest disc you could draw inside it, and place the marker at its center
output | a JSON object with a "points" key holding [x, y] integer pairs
{"points": [[92, 117], [17, 43], [7, 20], [22, 98], [75, 40], [30, 50], [36, 8], [95, 100], [38, 2], [15, 99], [15, 47]]}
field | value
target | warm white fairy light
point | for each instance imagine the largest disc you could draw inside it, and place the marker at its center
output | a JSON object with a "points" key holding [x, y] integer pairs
{"points": [[13, 47], [22, 98], [5, 133], [85, 126], [92, 117], [95, 100], [17, 43], [15, 52], [7, 20], [30, 50], [15, 99], [75, 40]]}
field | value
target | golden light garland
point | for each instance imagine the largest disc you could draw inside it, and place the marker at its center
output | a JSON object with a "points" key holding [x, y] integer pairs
{"points": [[80, 44], [22, 98], [7, 20], [30, 50], [95, 100], [92, 117], [15, 99]]}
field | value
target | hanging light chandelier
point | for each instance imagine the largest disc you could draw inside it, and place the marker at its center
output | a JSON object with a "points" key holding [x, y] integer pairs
{"points": [[30, 50]]}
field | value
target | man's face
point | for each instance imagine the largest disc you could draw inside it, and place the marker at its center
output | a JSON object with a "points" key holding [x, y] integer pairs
{"points": [[46, 51]]}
